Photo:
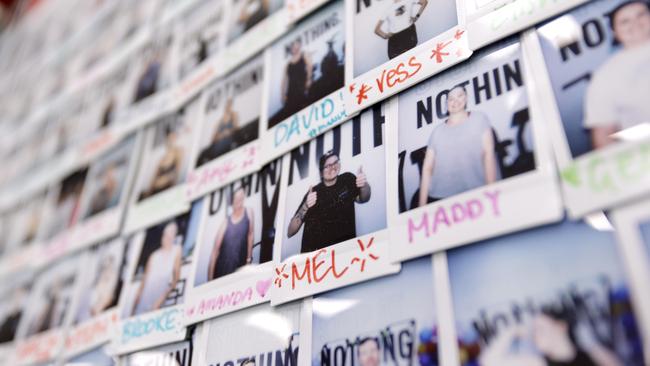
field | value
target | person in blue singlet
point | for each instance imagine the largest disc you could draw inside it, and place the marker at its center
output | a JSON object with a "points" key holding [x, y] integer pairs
{"points": [[233, 246]]}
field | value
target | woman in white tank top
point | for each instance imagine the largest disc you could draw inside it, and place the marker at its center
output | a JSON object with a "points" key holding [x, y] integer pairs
{"points": [[161, 273]]}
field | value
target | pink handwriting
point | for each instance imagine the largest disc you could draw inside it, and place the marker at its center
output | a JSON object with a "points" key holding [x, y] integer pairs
{"points": [[204, 178], [38, 348], [90, 331], [222, 301], [454, 214]]}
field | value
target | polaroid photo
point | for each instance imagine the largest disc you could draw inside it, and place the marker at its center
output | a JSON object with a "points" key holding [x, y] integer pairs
{"points": [[61, 214], [23, 222], [151, 303], [632, 225], [334, 220], [592, 81], [20, 232], [181, 353], [304, 77], [107, 36], [108, 99], [552, 295], [153, 73], [202, 36], [159, 190], [30, 136], [95, 313], [105, 197], [498, 167], [233, 261], [385, 29], [386, 321], [15, 296], [251, 26], [71, 127], [228, 144], [261, 335], [247, 14], [57, 136], [40, 334], [488, 21], [125, 28], [394, 44]]}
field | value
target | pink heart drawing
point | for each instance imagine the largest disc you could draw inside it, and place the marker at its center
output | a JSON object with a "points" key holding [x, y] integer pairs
{"points": [[190, 311], [262, 287]]}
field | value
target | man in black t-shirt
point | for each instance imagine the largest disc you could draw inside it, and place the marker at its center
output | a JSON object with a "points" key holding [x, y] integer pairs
{"points": [[327, 210]]}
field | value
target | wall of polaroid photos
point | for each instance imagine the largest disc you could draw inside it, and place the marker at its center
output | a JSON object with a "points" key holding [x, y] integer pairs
{"points": [[326, 183]]}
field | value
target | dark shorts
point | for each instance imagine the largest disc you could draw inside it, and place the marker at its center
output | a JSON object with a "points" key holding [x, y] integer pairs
{"points": [[402, 41]]}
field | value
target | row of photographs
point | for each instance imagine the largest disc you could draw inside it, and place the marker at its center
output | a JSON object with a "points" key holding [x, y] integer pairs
{"points": [[336, 195], [521, 299], [491, 110], [136, 69]]}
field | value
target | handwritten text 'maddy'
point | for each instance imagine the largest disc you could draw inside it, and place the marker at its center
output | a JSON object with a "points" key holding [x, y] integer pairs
{"points": [[137, 328], [456, 213]]}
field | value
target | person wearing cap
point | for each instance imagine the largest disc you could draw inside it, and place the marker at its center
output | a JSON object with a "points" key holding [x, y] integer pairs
{"points": [[327, 209], [617, 97]]}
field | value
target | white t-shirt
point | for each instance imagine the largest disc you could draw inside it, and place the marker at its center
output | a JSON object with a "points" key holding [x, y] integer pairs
{"points": [[619, 91], [398, 14]]}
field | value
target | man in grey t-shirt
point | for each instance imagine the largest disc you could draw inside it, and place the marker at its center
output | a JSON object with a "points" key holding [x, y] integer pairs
{"points": [[460, 153]]}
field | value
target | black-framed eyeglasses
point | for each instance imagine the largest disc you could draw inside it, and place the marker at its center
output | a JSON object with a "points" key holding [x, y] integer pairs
{"points": [[331, 165]]}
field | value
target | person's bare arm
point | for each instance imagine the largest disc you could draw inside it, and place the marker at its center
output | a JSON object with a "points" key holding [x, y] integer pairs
{"points": [[423, 4], [145, 276], [308, 66], [285, 85], [215, 251], [178, 161], [249, 252], [243, 15], [297, 220], [299, 217], [380, 32], [425, 180], [602, 136], [235, 121], [489, 157]]}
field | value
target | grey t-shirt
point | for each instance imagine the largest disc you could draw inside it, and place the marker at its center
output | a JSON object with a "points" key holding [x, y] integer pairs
{"points": [[458, 162]]}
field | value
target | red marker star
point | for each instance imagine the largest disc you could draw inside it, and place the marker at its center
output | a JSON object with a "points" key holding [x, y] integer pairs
{"points": [[362, 93], [280, 274], [459, 34], [438, 54], [363, 249]]}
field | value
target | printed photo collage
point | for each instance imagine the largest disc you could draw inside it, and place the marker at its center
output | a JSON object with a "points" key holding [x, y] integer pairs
{"points": [[326, 182]]}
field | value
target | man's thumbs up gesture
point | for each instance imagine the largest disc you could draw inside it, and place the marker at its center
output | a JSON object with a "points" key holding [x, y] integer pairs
{"points": [[311, 197], [361, 178]]}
